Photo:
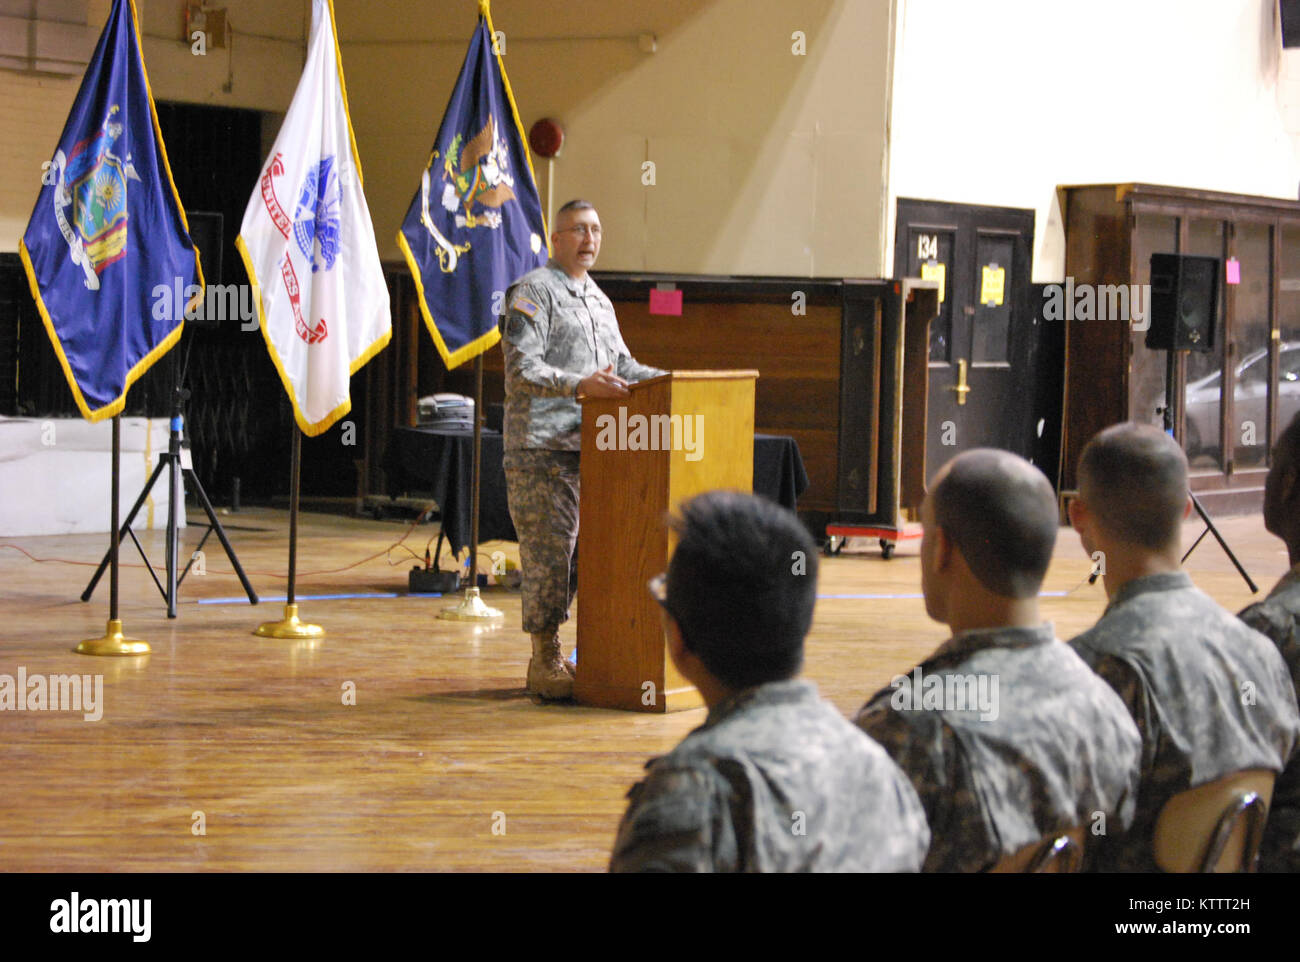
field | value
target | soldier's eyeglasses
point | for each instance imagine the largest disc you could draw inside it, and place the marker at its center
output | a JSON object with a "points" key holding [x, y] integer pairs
{"points": [[658, 586], [581, 230]]}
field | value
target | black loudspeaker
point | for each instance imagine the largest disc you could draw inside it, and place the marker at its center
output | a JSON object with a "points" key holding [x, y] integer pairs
{"points": [[1184, 302], [1290, 16], [206, 230]]}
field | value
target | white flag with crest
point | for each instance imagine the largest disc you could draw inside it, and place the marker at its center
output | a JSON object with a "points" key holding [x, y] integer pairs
{"points": [[309, 246]]}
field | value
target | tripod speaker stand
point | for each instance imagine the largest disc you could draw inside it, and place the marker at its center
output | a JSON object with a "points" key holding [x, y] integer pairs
{"points": [[1168, 412], [180, 471], [1184, 308]]}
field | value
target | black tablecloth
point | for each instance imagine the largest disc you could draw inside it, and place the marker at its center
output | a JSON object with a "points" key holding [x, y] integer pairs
{"points": [[778, 469], [440, 461]]}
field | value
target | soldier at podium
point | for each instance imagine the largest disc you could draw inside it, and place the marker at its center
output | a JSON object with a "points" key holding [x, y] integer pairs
{"points": [[776, 779], [561, 340]]}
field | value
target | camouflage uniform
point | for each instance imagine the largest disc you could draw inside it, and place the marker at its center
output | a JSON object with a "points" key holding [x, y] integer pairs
{"points": [[555, 332], [775, 780], [1278, 617], [1060, 750], [542, 491], [1182, 666]]}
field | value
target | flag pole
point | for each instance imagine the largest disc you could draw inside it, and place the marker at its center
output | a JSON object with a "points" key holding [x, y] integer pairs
{"points": [[471, 607], [289, 626], [550, 189], [112, 642]]}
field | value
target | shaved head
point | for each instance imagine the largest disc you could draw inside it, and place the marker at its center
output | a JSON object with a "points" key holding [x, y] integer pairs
{"points": [[572, 207], [1133, 478], [1282, 487], [1000, 512], [1287, 450]]}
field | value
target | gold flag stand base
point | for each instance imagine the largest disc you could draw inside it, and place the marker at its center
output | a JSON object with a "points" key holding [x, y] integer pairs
{"points": [[113, 643], [289, 627], [471, 608]]}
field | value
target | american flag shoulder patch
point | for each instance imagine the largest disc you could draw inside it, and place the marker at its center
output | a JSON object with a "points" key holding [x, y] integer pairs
{"points": [[524, 306]]}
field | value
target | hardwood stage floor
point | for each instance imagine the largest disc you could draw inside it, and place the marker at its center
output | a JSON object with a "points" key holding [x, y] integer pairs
{"points": [[443, 743]]}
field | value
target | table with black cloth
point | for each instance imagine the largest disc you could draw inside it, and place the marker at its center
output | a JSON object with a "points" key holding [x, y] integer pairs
{"points": [[440, 461]]}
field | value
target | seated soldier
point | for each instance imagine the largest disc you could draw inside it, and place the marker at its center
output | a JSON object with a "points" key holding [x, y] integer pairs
{"points": [[776, 779], [1007, 736], [1210, 696], [1278, 617]]}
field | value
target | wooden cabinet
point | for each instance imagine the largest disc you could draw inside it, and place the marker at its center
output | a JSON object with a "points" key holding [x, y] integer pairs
{"points": [[1230, 403]]}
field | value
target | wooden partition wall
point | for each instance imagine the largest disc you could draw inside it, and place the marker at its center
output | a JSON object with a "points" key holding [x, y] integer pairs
{"points": [[788, 330], [816, 343]]}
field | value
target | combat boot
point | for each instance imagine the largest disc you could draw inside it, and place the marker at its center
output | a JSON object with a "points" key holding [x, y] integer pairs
{"points": [[546, 669]]}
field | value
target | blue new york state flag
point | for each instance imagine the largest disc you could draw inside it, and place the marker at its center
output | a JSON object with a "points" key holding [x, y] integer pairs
{"points": [[475, 225], [108, 228]]}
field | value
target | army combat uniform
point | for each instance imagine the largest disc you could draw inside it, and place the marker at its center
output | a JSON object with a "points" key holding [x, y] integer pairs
{"points": [[775, 780], [555, 332], [1057, 751], [1210, 697], [1278, 617]]}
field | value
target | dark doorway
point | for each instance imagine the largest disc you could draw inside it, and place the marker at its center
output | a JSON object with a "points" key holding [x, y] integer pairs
{"points": [[983, 344], [232, 414]]}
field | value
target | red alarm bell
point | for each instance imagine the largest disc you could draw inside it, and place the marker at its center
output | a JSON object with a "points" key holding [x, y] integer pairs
{"points": [[546, 138]]}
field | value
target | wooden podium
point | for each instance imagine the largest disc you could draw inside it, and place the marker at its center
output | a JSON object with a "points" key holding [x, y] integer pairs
{"points": [[674, 436]]}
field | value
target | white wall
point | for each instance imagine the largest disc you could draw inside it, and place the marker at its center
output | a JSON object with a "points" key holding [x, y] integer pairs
{"points": [[1000, 101]]}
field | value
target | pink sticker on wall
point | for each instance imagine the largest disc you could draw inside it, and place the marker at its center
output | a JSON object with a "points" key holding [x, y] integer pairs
{"points": [[1234, 271], [665, 302]]}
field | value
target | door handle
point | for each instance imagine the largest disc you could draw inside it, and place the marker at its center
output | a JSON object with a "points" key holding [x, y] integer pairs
{"points": [[961, 387]]}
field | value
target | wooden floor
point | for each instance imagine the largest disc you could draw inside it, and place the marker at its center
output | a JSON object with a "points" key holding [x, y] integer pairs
{"points": [[443, 743]]}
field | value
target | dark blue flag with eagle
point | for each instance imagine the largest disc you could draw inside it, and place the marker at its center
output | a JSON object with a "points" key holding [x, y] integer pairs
{"points": [[475, 224], [108, 244]]}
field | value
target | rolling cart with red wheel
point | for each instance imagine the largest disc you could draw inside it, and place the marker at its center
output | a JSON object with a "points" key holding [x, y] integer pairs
{"points": [[838, 534]]}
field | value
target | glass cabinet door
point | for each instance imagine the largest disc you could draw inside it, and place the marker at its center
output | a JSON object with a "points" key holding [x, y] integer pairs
{"points": [[1203, 400], [1288, 315], [1250, 342]]}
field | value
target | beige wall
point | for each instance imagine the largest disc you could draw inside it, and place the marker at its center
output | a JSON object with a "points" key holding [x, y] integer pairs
{"points": [[33, 108], [766, 162]]}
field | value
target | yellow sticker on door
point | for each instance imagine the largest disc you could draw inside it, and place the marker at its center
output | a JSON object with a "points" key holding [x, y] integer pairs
{"points": [[992, 282], [934, 271]]}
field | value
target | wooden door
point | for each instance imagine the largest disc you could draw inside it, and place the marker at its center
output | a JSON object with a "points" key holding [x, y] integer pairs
{"points": [[982, 343]]}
